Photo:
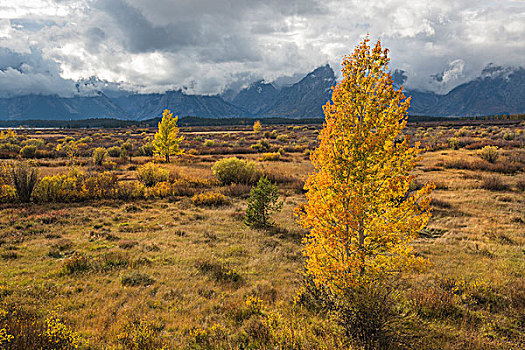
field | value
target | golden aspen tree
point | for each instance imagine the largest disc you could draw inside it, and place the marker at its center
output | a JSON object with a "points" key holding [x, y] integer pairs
{"points": [[167, 139], [257, 127], [360, 214]]}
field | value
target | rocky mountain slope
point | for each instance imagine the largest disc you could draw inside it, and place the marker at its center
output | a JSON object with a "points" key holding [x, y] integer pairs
{"points": [[498, 90]]}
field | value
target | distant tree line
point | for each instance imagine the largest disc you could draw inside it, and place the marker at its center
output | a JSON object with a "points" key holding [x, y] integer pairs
{"points": [[198, 121]]}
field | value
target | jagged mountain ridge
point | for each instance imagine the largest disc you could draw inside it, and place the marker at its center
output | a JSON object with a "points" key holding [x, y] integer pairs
{"points": [[140, 107], [306, 97], [498, 90], [256, 98]]}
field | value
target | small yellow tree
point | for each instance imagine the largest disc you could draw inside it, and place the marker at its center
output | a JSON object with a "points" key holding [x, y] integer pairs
{"points": [[167, 139], [257, 127], [360, 215]]}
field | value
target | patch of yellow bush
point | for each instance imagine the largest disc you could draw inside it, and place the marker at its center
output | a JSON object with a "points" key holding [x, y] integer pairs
{"points": [[270, 157], [210, 199]]}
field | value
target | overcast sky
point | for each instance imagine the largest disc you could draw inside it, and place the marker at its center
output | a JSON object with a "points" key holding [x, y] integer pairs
{"points": [[205, 46]]}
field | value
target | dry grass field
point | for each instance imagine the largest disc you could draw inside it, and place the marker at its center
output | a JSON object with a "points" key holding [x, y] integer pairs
{"points": [[150, 267]]}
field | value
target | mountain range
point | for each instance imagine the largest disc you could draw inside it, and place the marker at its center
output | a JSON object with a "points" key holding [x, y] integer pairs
{"points": [[498, 90]]}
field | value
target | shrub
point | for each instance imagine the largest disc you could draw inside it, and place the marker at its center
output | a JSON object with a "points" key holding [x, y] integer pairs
{"points": [[453, 143], [60, 335], [99, 155], [139, 335], [86, 139], [149, 174], [494, 183], [77, 263], [238, 190], [10, 147], [23, 329], [510, 167], [489, 153], [136, 279], [262, 202], [235, 170], [219, 271], [270, 157], [282, 138], [209, 143], [261, 146], [210, 199], [100, 186], [281, 177], [364, 312], [257, 127], [463, 131], [115, 151], [147, 149], [7, 191], [24, 179], [127, 244], [60, 187], [33, 142], [127, 150], [509, 136], [28, 151], [76, 186]]}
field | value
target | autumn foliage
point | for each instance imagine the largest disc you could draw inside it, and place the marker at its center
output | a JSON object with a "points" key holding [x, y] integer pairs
{"points": [[167, 138], [360, 214]]}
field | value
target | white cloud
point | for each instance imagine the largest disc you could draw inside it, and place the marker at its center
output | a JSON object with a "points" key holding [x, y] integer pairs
{"points": [[206, 45]]}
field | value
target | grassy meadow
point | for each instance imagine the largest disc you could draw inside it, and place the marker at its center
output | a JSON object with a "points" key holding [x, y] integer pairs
{"points": [[117, 264]]}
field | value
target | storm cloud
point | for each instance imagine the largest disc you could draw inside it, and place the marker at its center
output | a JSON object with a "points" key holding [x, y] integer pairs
{"points": [[207, 46]]}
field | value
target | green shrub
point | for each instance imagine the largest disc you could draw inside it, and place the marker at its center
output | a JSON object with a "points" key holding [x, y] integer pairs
{"points": [[489, 153], [77, 186], [209, 143], [261, 146], [453, 142], [210, 199], [127, 150], [33, 142], [60, 187], [262, 202], [99, 155], [10, 147], [100, 186], [235, 170], [28, 151], [86, 139], [282, 138], [147, 149], [463, 131], [24, 179], [7, 191], [270, 157], [115, 151], [150, 174]]}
